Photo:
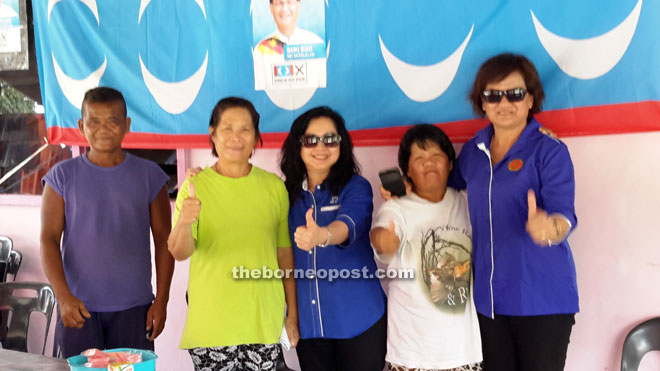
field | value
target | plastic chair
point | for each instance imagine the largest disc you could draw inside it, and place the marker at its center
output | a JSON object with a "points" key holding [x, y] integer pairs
{"points": [[644, 338], [6, 246], [21, 308], [15, 259]]}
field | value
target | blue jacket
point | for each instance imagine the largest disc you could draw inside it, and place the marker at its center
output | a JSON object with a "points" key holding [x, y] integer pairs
{"points": [[345, 307], [513, 275]]}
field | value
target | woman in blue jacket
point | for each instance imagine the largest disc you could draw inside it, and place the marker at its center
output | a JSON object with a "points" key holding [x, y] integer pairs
{"points": [[521, 189], [341, 305]]}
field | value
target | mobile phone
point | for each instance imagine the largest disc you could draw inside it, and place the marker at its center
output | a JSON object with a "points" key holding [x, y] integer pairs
{"points": [[393, 181]]}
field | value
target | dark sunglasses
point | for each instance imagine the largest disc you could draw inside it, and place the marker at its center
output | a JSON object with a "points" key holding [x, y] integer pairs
{"points": [[512, 95], [328, 140]]}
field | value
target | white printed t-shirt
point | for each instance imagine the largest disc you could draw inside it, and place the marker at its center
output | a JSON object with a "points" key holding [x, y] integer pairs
{"points": [[432, 321]]}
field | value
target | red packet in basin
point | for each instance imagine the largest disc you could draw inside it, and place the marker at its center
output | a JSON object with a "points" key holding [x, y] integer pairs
{"points": [[144, 360]]}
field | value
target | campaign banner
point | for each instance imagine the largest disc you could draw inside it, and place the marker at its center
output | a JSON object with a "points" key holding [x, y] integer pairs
{"points": [[383, 64]]}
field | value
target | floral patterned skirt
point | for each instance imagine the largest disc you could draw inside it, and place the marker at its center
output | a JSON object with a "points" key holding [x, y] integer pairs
{"points": [[468, 367], [244, 357]]}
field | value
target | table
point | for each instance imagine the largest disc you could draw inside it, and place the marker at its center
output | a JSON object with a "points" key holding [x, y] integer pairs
{"points": [[18, 361]]}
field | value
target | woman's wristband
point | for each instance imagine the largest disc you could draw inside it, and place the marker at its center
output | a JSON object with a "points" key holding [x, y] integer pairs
{"points": [[327, 241]]}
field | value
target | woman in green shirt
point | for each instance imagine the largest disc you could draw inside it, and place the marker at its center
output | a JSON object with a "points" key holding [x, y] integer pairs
{"points": [[230, 220]]}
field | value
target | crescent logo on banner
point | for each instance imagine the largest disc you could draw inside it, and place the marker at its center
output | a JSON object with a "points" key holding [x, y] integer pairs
{"points": [[174, 97], [424, 83], [144, 3], [393, 64], [74, 89], [89, 3], [593, 57]]}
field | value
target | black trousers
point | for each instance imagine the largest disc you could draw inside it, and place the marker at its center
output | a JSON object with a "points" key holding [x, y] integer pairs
{"points": [[104, 330], [525, 343], [365, 352]]}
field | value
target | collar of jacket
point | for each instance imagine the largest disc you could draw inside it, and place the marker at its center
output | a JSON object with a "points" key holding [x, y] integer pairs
{"points": [[304, 185], [530, 132]]}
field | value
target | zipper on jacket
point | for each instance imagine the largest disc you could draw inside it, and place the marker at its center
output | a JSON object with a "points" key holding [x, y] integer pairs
{"points": [[316, 279], [485, 150]]}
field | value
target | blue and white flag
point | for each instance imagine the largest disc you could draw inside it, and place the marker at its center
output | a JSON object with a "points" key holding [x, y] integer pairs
{"points": [[389, 63]]}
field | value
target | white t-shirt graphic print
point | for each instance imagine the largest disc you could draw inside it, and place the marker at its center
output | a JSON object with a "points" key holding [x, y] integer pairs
{"points": [[432, 322]]}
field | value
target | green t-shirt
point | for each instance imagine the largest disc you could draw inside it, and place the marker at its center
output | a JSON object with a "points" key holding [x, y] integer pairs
{"points": [[242, 222]]}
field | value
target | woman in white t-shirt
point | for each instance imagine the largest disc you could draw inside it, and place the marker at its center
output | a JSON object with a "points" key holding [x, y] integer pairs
{"points": [[432, 322]]}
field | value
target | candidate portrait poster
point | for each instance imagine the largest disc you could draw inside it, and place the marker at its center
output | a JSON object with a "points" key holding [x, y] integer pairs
{"points": [[289, 44], [10, 27]]}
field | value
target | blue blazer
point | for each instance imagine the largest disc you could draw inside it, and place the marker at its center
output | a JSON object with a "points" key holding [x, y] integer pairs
{"points": [[512, 274], [343, 307]]}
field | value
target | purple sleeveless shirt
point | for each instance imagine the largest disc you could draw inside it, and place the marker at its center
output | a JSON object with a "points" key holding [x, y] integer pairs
{"points": [[106, 248]]}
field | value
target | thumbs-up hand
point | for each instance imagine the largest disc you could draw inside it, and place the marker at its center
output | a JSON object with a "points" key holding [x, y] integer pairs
{"points": [[191, 172], [389, 237], [385, 241], [540, 227], [191, 206], [311, 234]]}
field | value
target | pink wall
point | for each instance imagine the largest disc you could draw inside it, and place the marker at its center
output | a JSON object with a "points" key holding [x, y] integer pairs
{"points": [[615, 245]]}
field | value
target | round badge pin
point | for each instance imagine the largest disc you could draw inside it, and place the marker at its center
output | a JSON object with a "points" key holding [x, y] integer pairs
{"points": [[515, 164]]}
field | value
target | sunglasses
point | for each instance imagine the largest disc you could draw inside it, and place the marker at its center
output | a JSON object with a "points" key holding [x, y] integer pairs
{"points": [[512, 95], [328, 140]]}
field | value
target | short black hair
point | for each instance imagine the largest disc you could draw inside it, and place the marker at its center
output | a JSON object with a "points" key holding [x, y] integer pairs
{"points": [[421, 135], [233, 102], [496, 69], [104, 94], [293, 167]]}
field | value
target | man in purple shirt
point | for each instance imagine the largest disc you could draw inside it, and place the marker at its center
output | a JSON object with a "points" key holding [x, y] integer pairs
{"points": [[101, 206]]}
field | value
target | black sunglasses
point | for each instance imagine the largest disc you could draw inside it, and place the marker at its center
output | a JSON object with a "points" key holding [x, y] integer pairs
{"points": [[512, 95], [328, 140]]}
